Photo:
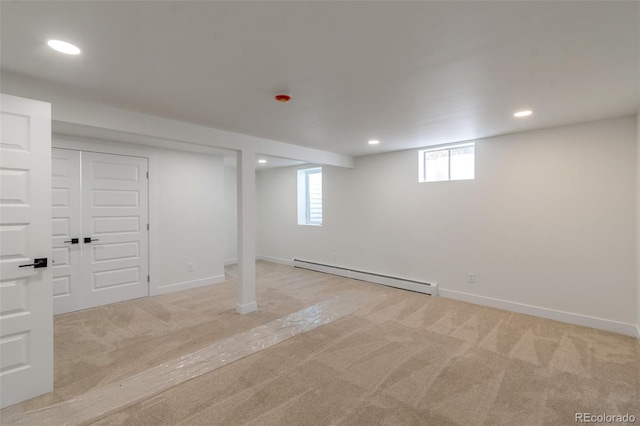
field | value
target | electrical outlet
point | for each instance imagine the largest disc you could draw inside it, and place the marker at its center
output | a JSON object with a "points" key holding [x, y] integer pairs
{"points": [[471, 278], [190, 267]]}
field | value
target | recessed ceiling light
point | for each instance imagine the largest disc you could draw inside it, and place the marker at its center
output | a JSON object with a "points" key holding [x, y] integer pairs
{"points": [[64, 47], [524, 113], [262, 161], [374, 142]]}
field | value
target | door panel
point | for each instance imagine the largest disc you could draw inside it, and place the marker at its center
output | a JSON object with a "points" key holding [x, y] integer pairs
{"points": [[115, 212], [66, 211], [115, 251], [103, 226], [26, 311]]}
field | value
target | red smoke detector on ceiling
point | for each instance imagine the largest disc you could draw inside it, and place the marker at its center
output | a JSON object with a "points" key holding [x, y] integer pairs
{"points": [[282, 98]]}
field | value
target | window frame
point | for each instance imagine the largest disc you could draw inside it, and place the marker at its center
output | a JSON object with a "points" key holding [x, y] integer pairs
{"points": [[422, 169], [304, 196]]}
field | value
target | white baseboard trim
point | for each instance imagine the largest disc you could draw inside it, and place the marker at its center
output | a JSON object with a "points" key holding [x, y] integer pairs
{"points": [[246, 308], [288, 262], [230, 262], [170, 288], [568, 317]]}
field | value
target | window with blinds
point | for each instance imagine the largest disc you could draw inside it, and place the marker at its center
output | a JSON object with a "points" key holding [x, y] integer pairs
{"points": [[310, 196]]}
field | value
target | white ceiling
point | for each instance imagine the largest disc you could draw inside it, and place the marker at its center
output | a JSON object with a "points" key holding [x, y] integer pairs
{"points": [[408, 73]]}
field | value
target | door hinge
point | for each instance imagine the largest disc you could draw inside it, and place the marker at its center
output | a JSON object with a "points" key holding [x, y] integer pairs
{"points": [[148, 278], [147, 226], [147, 175]]}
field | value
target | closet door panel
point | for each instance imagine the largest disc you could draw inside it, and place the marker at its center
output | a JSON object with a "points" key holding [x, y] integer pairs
{"points": [[115, 216], [66, 225]]}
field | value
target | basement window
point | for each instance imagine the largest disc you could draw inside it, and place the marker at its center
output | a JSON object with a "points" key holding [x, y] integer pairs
{"points": [[454, 162], [310, 196]]}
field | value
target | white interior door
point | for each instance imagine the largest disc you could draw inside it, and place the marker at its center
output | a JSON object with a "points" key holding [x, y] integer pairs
{"points": [[26, 314], [66, 228], [115, 263]]}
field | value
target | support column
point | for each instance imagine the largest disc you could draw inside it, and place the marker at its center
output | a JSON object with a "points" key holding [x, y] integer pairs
{"points": [[246, 232], [638, 223]]}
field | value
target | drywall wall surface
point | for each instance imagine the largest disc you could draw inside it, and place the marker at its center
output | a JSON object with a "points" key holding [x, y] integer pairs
{"points": [[548, 222], [190, 216], [230, 220], [638, 220]]}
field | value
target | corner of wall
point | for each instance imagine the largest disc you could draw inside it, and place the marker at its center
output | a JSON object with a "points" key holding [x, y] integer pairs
{"points": [[638, 221], [354, 209]]}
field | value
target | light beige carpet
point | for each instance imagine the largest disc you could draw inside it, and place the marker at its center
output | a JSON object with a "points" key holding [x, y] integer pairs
{"points": [[409, 358]]}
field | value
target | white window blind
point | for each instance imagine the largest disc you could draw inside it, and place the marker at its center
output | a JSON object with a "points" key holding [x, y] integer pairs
{"points": [[314, 192], [310, 196]]}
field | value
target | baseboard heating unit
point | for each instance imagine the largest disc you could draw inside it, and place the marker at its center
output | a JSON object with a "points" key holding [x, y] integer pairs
{"points": [[420, 287]]}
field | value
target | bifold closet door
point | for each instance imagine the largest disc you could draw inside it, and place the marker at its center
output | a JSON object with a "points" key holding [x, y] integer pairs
{"points": [[66, 229], [114, 225]]}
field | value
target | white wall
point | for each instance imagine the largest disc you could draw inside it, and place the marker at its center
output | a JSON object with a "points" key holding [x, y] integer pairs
{"points": [[638, 218], [546, 226], [230, 223], [190, 217]]}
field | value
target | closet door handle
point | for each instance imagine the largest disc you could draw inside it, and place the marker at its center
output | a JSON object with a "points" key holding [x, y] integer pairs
{"points": [[89, 239], [73, 241], [37, 263]]}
